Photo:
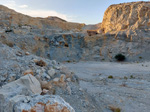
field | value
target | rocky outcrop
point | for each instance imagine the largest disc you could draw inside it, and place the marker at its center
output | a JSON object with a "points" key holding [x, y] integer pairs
{"points": [[19, 72], [19, 96], [126, 16], [28, 81], [55, 19]]}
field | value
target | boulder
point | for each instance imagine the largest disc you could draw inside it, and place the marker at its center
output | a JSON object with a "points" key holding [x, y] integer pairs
{"points": [[23, 95], [28, 81], [31, 83], [51, 72]]}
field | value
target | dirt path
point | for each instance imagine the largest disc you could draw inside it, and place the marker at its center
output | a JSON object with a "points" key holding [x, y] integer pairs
{"points": [[129, 89]]}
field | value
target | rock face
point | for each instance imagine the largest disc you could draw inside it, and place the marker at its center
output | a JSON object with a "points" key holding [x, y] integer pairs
{"points": [[125, 29], [59, 46], [131, 16], [18, 96]]}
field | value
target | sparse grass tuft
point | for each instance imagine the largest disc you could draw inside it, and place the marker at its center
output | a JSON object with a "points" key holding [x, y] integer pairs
{"points": [[103, 59], [115, 109], [125, 77], [132, 77], [68, 61]]}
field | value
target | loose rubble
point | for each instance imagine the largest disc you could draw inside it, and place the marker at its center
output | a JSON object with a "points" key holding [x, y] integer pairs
{"points": [[22, 79], [23, 95]]}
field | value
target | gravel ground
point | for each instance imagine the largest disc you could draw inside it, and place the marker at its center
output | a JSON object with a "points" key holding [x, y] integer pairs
{"points": [[127, 88]]}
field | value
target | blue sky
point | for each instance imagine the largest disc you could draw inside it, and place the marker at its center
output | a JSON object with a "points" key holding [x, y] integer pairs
{"points": [[82, 11]]}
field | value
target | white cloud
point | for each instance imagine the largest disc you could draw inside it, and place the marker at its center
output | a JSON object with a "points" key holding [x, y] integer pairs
{"points": [[33, 12], [23, 6], [44, 13], [9, 3]]}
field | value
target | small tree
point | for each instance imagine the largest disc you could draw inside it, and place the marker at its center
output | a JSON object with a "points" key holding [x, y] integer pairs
{"points": [[120, 57]]}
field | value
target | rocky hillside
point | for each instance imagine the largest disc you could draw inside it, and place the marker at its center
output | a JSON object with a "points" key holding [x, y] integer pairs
{"points": [[28, 83], [57, 39], [11, 18]]}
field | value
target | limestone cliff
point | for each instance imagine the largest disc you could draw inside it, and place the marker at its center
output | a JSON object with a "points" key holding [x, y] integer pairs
{"points": [[134, 15]]}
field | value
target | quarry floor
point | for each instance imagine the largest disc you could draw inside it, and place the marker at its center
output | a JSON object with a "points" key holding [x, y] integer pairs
{"points": [[115, 84]]}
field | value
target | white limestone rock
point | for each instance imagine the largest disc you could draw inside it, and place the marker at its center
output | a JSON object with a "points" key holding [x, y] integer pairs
{"points": [[29, 82], [51, 72], [19, 96]]}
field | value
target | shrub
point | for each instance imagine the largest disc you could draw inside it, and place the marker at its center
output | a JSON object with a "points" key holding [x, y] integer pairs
{"points": [[68, 61], [120, 57], [132, 77], [103, 59], [110, 77]]}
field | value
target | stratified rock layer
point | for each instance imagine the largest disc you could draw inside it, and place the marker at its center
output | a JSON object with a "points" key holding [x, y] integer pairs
{"points": [[135, 15]]}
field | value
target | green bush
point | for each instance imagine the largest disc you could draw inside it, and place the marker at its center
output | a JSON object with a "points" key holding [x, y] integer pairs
{"points": [[120, 57], [110, 77]]}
